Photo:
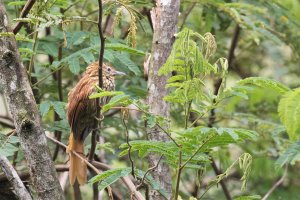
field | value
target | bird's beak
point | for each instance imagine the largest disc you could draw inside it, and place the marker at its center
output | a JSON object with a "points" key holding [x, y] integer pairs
{"points": [[118, 73]]}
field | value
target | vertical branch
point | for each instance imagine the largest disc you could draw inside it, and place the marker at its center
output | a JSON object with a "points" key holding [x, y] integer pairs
{"points": [[179, 170], [97, 124], [34, 46], [57, 77], [212, 116], [26, 116], [124, 113], [164, 18], [186, 14], [77, 192], [14, 179]]}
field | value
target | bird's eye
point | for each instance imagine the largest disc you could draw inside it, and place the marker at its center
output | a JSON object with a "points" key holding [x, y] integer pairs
{"points": [[108, 69]]}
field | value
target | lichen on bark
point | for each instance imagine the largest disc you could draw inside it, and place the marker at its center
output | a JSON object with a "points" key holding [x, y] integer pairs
{"points": [[26, 117]]}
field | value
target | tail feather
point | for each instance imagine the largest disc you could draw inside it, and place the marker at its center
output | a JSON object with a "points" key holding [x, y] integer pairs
{"points": [[78, 168]]}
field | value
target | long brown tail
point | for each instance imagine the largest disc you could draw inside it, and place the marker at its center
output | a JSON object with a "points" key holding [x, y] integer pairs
{"points": [[77, 168]]}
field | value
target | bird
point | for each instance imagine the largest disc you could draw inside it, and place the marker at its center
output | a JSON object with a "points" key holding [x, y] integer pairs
{"points": [[81, 113]]}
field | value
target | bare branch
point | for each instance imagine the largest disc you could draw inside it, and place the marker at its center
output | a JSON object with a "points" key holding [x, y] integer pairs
{"points": [[97, 124], [23, 14], [187, 13], [212, 117], [276, 184], [14, 179], [149, 170]]}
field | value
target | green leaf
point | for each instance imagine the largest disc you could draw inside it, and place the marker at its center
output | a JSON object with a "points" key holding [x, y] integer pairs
{"points": [[121, 99], [61, 125], [45, 107], [105, 94], [109, 177], [76, 38], [88, 57], [265, 83], [74, 65], [289, 113], [125, 60], [8, 150], [17, 3], [291, 155], [8, 145], [13, 139], [59, 108], [50, 49], [106, 146], [125, 48]]}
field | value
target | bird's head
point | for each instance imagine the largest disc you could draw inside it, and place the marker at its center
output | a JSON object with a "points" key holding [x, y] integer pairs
{"points": [[110, 71]]}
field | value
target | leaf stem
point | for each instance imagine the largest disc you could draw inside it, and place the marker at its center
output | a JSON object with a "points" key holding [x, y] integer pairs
{"points": [[33, 54], [179, 170]]}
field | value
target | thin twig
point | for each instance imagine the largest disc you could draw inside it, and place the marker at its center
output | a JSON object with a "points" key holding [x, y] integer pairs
{"points": [[168, 134], [186, 14], [276, 184], [148, 171], [34, 46], [70, 6], [75, 153], [233, 45], [179, 170], [222, 182], [196, 152], [48, 75], [97, 124], [23, 14], [127, 141], [212, 117], [14, 179]]}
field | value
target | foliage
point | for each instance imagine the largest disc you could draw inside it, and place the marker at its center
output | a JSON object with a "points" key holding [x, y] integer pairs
{"points": [[247, 124], [110, 176], [289, 112], [8, 145], [291, 155]]}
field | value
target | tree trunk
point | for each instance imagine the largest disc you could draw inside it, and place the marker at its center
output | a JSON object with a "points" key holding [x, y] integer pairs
{"points": [[27, 120], [164, 18]]}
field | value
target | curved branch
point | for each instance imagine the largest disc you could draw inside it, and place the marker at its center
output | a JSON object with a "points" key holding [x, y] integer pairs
{"points": [[14, 179], [276, 184]]}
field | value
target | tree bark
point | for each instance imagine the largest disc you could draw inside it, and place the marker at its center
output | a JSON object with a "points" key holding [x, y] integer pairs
{"points": [[27, 120], [14, 179], [164, 17]]}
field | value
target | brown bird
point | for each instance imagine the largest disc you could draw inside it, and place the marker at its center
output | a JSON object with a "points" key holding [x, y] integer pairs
{"points": [[81, 113]]}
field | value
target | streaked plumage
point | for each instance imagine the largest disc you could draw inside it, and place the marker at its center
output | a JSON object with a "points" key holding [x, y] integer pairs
{"points": [[81, 112]]}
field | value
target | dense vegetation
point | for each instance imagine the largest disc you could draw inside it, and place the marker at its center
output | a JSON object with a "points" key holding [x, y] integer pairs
{"points": [[233, 79]]}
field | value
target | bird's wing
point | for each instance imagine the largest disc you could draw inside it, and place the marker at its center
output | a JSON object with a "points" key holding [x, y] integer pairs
{"points": [[81, 111]]}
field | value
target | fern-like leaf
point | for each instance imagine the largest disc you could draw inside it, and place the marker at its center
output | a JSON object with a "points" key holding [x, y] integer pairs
{"points": [[289, 113]]}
